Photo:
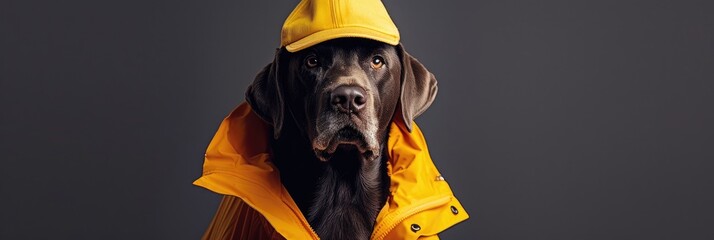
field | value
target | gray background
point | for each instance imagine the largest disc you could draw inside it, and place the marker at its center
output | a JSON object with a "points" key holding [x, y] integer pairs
{"points": [[554, 120]]}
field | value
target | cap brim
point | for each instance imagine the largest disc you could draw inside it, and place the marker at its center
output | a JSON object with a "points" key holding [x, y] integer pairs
{"points": [[329, 34]]}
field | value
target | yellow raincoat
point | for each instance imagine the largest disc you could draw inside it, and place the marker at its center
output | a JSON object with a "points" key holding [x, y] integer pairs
{"points": [[257, 206]]}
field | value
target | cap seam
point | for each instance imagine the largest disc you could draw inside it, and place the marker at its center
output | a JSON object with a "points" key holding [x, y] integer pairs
{"points": [[334, 14], [338, 10]]}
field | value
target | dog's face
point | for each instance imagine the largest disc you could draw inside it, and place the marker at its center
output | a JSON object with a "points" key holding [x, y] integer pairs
{"points": [[342, 94]]}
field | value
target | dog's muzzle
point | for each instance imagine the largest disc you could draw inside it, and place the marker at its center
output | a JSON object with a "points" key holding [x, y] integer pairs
{"points": [[348, 125]]}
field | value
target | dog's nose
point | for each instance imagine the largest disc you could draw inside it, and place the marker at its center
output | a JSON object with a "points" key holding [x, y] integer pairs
{"points": [[348, 98]]}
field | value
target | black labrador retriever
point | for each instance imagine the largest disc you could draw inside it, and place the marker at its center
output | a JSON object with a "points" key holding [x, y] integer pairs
{"points": [[330, 107]]}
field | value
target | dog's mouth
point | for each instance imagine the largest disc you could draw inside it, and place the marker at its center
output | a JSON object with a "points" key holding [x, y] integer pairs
{"points": [[347, 142]]}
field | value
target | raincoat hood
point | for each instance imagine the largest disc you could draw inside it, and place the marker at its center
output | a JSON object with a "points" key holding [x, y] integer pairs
{"points": [[238, 163]]}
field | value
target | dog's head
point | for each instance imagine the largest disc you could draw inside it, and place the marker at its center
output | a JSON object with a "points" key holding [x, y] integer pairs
{"points": [[342, 94]]}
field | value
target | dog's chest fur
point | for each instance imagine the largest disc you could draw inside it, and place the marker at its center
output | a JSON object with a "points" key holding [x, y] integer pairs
{"points": [[340, 198]]}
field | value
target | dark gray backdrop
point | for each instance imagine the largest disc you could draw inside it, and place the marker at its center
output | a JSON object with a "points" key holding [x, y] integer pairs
{"points": [[554, 120]]}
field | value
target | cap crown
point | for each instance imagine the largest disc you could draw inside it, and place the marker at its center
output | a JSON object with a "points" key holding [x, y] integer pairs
{"points": [[316, 21]]}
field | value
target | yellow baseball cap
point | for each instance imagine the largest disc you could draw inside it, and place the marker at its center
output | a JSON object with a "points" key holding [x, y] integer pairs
{"points": [[316, 21]]}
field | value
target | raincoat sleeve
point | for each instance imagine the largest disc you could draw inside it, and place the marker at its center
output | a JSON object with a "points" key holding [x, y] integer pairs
{"points": [[236, 220]]}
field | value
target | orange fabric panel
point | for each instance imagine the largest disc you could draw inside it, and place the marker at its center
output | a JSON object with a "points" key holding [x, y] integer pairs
{"points": [[236, 220]]}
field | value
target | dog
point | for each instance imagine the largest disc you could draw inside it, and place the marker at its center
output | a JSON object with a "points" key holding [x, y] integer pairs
{"points": [[330, 107]]}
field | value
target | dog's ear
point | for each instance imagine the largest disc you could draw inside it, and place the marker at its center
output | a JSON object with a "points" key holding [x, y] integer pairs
{"points": [[265, 95], [418, 88]]}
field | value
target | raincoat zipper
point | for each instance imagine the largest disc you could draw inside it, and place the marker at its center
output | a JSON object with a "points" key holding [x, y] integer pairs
{"points": [[298, 213], [305, 223]]}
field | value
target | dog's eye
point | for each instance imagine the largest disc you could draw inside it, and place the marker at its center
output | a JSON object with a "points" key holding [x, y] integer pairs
{"points": [[377, 62], [311, 62]]}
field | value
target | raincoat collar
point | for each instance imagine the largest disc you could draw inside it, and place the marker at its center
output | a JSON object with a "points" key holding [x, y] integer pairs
{"points": [[237, 163]]}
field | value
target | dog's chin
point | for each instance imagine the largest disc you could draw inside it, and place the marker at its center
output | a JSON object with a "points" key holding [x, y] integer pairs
{"points": [[346, 143], [345, 150]]}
